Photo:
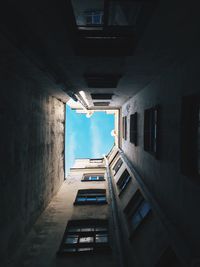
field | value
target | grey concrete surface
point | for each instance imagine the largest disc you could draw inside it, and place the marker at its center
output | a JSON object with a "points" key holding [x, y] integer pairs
{"points": [[31, 144]]}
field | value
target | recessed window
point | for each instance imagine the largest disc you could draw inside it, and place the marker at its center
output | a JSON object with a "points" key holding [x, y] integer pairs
{"points": [[101, 103], [102, 96], [151, 130], [168, 258], [136, 211], [133, 128], [90, 197], [117, 166], [93, 177], [94, 17], [123, 181], [124, 127], [190, 136], [85, 236]]}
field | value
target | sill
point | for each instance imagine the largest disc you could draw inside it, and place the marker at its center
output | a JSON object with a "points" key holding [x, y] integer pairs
{"points": [[103, 250]]}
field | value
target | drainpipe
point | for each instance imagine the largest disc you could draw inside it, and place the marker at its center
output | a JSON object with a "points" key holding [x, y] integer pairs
{"points": [[119, 255]]}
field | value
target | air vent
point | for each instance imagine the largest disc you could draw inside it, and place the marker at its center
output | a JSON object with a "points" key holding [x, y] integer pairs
{"points": [[101, 104], [101, 96], [102, 80]]}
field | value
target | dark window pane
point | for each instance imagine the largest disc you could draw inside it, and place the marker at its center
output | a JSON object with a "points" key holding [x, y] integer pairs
{"points": [[144, 208], [71, 239], [101, 199], [85, 249], [101, 238], [86, 239], [87, 229]]}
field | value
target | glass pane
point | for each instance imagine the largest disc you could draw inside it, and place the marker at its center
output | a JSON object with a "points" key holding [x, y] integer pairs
{"points": [[125, 182], [69, 250], [135, 220], [144, 208], [87, 229], [101, 229], [74, 229], [93, 178], [88, 12], [123, 13], [101, 238], [86, 239], [101, 199], [85, 249], [91, 199], [71, 239], [81, 199]]}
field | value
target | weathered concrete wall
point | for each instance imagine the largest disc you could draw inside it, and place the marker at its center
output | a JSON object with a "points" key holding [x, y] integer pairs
{"points": [[42, 243], [177, 195], [31, 143], [143, 247]]}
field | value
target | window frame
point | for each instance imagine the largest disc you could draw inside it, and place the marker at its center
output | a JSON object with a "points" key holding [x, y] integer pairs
{"points": [[92, 14], [85, 177], [133, 208], [124, 127], [133, 128], [95, 194], [151, 130], [91, 229], [117, 166], [123, 181]]}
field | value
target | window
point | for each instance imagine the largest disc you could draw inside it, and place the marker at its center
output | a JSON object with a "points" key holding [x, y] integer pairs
{"points": [[124, 121], [123, 181], [168, 258], [91, 196], [94, 17], [136, 211], [190, 136], [117, 165], [133, 128], [101, 103], [151, 130], [85, 236], [102, 96], [93, 177]]}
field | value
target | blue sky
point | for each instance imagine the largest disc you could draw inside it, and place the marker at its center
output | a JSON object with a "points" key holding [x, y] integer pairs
{"points": [[87, 137]]}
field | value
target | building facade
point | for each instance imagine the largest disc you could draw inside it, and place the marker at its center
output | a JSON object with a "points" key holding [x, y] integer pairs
{"points": [[138, 59]]}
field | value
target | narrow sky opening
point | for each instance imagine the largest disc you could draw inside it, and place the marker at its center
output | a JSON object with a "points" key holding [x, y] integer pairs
{"points": [[87, 137]]}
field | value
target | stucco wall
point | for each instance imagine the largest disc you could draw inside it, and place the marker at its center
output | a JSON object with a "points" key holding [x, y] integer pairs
{"points": [[144, 246], [177, 195], [31, 143]]}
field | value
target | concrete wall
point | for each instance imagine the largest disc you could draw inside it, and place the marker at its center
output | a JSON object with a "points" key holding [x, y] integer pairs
{"points": [[143, 247], [177, 195], [31, 143], [82, 212]]}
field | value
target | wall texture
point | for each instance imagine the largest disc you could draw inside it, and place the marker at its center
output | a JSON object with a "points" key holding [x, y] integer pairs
{"points": [[31, 146], [177, 195]]}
